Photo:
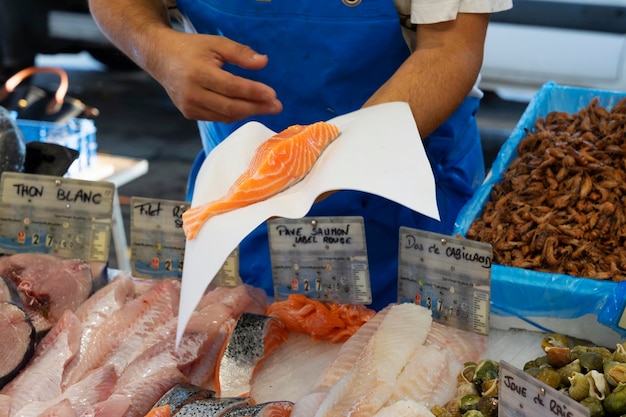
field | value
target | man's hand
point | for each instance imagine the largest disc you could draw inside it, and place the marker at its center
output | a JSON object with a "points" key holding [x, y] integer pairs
{"points": [[191, 71]]}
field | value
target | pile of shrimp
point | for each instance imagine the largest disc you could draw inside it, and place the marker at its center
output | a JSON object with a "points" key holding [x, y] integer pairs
{"points": [[560, 206]]}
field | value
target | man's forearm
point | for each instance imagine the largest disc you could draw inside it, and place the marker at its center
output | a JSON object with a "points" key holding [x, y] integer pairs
{"points": [[131, 25], [437, 77]]}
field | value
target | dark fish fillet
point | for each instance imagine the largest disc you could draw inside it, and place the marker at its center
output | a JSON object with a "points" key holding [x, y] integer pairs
{"points": [[181, 394], [17, 336]]}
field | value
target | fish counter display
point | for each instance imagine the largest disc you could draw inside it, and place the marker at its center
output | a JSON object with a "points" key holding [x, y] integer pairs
{"points": [[114, 353]]}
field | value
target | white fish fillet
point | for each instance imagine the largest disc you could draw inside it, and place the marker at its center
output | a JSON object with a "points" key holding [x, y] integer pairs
{"points": [[275, 376], [429, 377], [308, 405], [367, 387], [350, 351], [123, 335], [466, 346], [405, 408], [5, 405], [94, 388]]}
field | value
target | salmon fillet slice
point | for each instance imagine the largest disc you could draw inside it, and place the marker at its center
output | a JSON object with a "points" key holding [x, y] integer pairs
{"points": [[254, 338], [278, 163]]}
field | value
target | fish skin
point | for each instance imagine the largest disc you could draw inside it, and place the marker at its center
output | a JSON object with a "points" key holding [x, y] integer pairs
{"points": [[246, 347], [269, 172], [181, 394], [212, 407], [269, 409], [209, 326], [18, 337]]}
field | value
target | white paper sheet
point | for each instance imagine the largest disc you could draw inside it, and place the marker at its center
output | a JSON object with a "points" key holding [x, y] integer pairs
{"points": [[379, 151]]}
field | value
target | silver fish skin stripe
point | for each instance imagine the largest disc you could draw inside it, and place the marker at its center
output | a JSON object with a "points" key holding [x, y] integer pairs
{"points": [[212, 407]]}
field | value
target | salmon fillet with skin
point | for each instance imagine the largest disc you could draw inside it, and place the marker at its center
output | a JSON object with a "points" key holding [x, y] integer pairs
{"points": [[278, 163], [254, 338]]}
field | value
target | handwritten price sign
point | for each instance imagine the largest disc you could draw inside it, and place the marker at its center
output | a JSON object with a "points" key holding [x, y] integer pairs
{"points": [[521, 395]]}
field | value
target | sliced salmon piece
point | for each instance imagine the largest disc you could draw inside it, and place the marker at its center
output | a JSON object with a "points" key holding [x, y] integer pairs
{"points": [[331, 322], [160, 411], [268, 409], [278, 163], [179, 395], [214, 407], [253, 338]]}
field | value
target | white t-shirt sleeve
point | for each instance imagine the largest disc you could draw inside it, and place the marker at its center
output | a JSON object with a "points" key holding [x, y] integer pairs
{"points": [[434, 11]]}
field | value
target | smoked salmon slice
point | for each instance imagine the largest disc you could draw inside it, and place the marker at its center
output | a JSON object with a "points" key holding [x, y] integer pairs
{"points": [[331, 322], [278, 163]]}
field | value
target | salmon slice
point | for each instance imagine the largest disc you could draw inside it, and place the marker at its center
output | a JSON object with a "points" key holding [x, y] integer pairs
{"points": [[213, 407], [179, 395], [331, 322], [253, 338], [278, 163], [160, 411], [268, 409]]}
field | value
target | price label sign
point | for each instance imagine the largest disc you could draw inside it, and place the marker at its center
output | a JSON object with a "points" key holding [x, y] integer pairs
{"points": [[324, 258], [521, 395], [157, 242], [157, 239], [66, 217], [447, 275]]}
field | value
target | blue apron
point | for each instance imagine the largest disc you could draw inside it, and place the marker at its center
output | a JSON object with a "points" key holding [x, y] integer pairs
{"points": [[326, 58]]}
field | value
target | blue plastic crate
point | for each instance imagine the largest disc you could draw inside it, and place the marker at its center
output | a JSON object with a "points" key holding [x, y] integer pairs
{"points": [[526, 299], [78, 134]]}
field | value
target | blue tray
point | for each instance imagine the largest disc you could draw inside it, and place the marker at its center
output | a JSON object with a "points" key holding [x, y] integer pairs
{"points": [[78, 134], [579, 307]]}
